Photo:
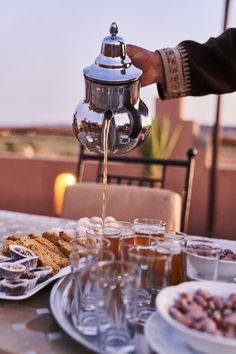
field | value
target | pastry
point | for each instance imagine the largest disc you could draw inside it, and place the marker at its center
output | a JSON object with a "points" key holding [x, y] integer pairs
{"points": [[58, 241], [11, 270], [19, 252], [51, 236], [5, 259], [29, 262], [65, 236], [50, 246], [31, 279], [50, 252], [43, 272], [14, 288], [44, 257], [65, 247]]}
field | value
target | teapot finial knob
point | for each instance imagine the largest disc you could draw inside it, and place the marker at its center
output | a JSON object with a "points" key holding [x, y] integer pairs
{"points": [[113, 29]]}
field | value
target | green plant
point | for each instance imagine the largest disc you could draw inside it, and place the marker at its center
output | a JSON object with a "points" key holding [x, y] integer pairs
{"points": [[159, 144]]}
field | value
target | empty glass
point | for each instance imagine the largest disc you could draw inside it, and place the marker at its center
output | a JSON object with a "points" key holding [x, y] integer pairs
{"points": [[150, 227], [86, 252], [115, 287], [202, 259]]}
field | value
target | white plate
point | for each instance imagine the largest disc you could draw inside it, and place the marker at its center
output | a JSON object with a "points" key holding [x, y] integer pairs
{"points": [[61, 273], [203, 342], [157, 333]]}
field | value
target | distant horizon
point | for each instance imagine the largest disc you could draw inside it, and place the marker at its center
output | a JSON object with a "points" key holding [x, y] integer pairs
{"points": [[61, 125]]}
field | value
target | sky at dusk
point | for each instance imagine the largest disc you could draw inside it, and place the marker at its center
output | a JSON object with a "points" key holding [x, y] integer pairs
{"points": [[45, 44]]}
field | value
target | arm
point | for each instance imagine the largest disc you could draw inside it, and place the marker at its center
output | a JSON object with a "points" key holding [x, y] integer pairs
{"points": [[192, 69]]}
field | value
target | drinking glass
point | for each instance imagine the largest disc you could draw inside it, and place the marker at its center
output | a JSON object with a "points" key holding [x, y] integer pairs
{"points": [[151, 227], [202, 259], [85, 253], [175, 242], [110, 233], [154, 264], [125, 227], [115, 287], [81, 246], [128, 241]]}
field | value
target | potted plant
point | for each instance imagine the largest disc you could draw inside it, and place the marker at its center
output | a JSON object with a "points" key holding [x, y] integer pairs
{"points": [[159, 144]]}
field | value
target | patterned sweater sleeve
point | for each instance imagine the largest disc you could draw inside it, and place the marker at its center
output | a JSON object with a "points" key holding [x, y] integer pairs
{"points": [[194, 69]]}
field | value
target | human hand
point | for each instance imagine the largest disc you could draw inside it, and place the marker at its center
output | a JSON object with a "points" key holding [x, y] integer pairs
{"points": [[149, 62]]}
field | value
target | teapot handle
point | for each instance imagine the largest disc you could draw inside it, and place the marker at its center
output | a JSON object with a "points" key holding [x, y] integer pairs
{"points": [[75, 126], [136, 118]]}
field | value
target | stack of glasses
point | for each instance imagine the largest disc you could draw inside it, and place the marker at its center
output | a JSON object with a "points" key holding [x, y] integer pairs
{"points": [[117, 272]]}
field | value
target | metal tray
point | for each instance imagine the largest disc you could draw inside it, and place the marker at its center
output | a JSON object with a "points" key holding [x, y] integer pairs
{"points": [[60, 304]]}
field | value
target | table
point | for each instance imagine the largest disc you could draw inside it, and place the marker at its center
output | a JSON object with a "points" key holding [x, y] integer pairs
{"points": [[27, 326]]}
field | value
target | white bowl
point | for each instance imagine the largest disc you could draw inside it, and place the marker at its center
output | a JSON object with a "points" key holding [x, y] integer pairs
{"points": [[226, 270], [201, 267], [200, 341]]}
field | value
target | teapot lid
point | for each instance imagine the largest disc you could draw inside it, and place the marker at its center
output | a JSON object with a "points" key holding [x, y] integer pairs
{"points": [[112, 65]]}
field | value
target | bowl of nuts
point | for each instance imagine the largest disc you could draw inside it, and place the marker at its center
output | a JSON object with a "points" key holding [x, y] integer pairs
{"points": [[203, 313]]}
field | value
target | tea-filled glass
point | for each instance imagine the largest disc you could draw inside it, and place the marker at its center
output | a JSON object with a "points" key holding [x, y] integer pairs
{"points": [[152, 227], [175, 242], [128, 241], [112, 234], [154, 264]]}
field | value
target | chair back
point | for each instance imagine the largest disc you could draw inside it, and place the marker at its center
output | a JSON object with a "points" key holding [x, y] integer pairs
{"points": [[125, 203], [121, 177]]}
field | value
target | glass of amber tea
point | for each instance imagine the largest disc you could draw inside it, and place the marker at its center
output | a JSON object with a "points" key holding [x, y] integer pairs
{"points": [[154, 264], [124, 226], [152, 227], [112, 234], [126, 242], [176, 242]]}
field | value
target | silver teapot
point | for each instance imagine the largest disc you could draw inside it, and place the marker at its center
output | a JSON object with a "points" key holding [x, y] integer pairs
{"points": [[112, 88]]}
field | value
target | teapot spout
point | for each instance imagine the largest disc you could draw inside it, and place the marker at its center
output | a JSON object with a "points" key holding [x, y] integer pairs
{"points": [[108, 114], [109, 135]]}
